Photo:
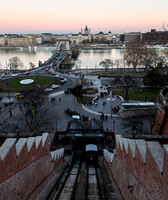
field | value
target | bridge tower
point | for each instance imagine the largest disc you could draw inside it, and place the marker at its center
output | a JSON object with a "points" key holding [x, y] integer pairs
{"points": [[63, 42], [160, 126]]}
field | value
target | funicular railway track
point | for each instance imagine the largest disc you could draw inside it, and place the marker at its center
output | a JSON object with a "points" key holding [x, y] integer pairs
{"points": [[93, 185], [66, 186], [82, 180]]}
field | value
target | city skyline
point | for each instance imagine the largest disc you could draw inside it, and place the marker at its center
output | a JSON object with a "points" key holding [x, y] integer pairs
{"points": [[70, 16]]}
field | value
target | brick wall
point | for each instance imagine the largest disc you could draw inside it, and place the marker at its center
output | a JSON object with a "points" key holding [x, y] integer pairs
{"points": [[139, 170], [26, 167], [161, 122]]}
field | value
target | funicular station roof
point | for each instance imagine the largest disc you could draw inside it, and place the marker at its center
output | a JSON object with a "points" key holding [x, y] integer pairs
{"points": [[90, 128]]}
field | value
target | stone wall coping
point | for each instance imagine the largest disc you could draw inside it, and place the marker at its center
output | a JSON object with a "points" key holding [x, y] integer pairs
{"points": [[57, 153], [157, 154], [20, 144], [30, 142], [141, 145], [156, 150], [132, 147], [38, 140], [165, 146], [6, 147], [44, 138], [126, 145]]}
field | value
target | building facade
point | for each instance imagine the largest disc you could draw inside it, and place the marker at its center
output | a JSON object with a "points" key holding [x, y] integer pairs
{"points": [[155, 37], [130, 36], [103, 37], [18, 41], [2, 41], [81, 37]]}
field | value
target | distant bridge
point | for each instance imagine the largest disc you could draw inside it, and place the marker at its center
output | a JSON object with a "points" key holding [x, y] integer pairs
{"points": [[63, 49]]}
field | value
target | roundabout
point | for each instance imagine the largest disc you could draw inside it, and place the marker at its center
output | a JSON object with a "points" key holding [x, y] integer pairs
{"points": [[16, 84]]}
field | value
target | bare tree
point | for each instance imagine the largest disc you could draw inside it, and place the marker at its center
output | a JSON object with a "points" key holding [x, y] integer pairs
{"points": [[34, 112], [128, 82], [32, 65], [106, 64], [154, 60], [151, 59], [14, 63], [117, 61], [135, 53], [142, 123]]}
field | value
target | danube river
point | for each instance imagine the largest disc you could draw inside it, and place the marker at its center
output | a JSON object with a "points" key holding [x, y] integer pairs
{"points": [[92, 58], [86, 59]]}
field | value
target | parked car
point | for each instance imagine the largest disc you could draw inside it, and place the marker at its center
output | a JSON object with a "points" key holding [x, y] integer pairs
{"points": [[48, 89], [18, 95], [15, 75], [54, 86], [26, 73], [7, 103], [61, 78], [62, 82]]}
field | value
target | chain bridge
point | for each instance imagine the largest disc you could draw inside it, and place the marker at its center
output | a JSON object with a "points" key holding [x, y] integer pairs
{"points": [[63, 50]]}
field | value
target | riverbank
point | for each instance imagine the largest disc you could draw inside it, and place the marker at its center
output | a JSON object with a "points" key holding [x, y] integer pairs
{"points": [[101, 47], [37, 47]]}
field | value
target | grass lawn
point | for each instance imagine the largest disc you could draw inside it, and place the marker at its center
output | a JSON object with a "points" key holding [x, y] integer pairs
{"points": [[15, 86], [137, 94]]}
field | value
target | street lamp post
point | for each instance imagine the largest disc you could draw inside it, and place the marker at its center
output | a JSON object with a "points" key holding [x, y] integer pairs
{"points": [[56, 125], [10, 110], [114, 125], [111, 111], [134, 131]]}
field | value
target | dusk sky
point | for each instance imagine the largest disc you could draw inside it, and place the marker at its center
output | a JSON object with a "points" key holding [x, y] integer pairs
{"points": [[65, 16]]}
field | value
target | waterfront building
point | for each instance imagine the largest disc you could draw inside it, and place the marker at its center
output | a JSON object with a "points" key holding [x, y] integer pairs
{"points": [[155, 37], [83, 36], [103, 37], [18, 41], [2, 41], [39, 40], [46, 37], [32, 39], [130, 36]]}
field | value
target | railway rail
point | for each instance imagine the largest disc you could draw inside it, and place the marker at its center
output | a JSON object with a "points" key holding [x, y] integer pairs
{"points": [[93, 184], [67, 184]]}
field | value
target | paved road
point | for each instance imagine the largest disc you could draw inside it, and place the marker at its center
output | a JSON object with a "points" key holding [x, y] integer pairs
{"points": [[64, 101]]}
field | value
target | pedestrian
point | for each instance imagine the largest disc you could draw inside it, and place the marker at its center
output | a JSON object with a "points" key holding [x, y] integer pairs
{"points": [[106, 117], [102, 116], [59, 99]]}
